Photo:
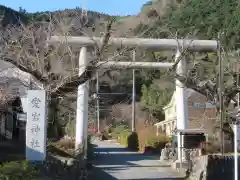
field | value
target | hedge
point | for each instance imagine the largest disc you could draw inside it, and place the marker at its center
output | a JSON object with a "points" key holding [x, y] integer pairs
{"points": [[120, 130], [129, 139], [90, 148], [123, 137], [15, 170], [149, 140], [155, 143]]}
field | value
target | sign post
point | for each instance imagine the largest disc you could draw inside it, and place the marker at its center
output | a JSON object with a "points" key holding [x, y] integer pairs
{"points": [[235, 130], [36, 125]]}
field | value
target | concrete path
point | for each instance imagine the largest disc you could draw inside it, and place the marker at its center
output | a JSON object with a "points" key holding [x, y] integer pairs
{"points": [[114, 162]]}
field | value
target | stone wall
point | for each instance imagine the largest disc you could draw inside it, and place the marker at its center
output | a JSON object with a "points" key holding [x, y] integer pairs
{"points": [[213, 167], [63, 168]]}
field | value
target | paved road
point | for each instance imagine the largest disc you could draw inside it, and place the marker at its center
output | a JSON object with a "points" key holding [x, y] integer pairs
{"points": [[113, 162]]}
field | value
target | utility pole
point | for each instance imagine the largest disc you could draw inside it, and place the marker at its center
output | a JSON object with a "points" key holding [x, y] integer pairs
{"points": [[236, 134], [221, 108], [84, 15], [84, 8], [97, 105], [133, 96], [238, 82]]}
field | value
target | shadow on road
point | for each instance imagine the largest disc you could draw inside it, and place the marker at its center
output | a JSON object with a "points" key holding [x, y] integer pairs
{"points": [[111, 162], [119, 156], [99, 173]]}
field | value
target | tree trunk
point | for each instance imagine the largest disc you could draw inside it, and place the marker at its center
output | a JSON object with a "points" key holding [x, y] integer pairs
{"points": [[53, 125]]}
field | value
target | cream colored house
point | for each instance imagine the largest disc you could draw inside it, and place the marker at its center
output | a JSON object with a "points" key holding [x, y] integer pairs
{"points": [[201, 114]]}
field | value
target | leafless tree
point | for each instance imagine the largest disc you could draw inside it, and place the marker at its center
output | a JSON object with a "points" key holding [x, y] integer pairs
{"points": [[54, 66], [5, 97]]}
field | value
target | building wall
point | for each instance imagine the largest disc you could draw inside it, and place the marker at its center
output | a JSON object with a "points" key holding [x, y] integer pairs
{"points": [[170, 111], [13, 86], [201, 114], [13, 79]]}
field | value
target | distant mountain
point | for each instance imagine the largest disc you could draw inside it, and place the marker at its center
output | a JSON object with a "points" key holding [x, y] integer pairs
{"points": [[10, 16]]}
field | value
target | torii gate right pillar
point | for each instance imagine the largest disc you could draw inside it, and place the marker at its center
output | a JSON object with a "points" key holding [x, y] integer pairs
{"points": [[181, 104]]}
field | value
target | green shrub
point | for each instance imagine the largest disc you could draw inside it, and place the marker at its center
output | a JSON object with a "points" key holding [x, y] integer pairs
{"points": [[129, 139], [149, 140], [123, 138], [90, 148], [119, 130], [18, 171], [132, 141], [157, 141]]}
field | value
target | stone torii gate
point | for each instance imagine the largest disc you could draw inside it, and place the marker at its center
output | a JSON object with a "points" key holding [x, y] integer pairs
{"points": [[152, 44]]}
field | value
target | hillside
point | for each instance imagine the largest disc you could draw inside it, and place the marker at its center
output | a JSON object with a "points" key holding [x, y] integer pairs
{"points": [[10, 16]]}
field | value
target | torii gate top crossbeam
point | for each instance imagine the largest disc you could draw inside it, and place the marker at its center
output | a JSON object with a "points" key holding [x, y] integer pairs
{"points": [[153, 44]]}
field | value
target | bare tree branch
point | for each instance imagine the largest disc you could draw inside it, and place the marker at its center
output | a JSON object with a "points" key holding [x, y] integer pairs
{"points": [[37, 74], [71, 83]]}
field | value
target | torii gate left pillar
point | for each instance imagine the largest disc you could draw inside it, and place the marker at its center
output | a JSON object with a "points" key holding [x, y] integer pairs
{"points": [[82, 107]]}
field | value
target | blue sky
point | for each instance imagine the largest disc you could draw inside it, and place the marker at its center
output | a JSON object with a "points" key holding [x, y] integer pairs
{"points": [[113, 7]]}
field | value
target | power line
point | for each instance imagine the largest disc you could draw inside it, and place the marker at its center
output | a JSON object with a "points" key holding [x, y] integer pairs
{"points": [[84, 8]]}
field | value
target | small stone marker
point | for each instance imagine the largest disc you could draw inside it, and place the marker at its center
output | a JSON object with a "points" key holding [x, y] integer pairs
{"points": [[164, 154]]}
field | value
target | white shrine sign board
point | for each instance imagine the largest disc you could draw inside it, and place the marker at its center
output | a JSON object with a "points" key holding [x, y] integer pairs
{"points": [[36, 125]]}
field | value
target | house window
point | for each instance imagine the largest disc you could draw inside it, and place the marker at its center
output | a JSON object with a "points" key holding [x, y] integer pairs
{"points": [[198, 105], [209, 105], [15, 91]]}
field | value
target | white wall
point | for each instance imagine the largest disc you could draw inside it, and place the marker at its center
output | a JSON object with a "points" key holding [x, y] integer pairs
{"points": [[12, 79], [24, 103], [13, 86]]}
